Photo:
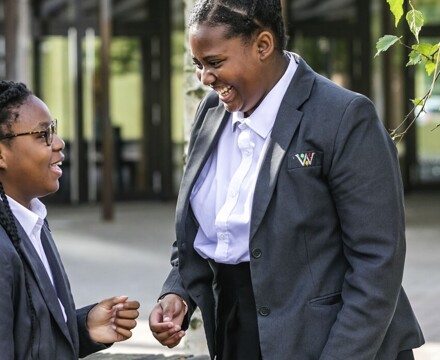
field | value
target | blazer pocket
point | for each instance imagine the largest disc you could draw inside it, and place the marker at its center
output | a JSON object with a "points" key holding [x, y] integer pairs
{"points": [[329, 299], [304, 159]]}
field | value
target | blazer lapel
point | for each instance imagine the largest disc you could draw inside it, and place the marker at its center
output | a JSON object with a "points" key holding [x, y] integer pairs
{"points": [[286, 123], [204, 144], [43, 281], [60, 279]]}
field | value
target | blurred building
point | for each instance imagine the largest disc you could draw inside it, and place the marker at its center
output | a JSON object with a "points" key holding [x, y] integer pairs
{"points": [[54, 46], [338, 38], [62, 66]]}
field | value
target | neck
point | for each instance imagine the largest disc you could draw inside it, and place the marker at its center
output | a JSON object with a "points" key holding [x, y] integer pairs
{"points": [[277, 68], [281, 65]]}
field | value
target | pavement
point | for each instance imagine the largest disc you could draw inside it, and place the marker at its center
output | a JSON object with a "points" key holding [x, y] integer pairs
{"points": [[130, 256]]}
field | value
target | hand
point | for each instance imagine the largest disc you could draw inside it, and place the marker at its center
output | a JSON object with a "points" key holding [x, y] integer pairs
{"points": [[112, 320], [166, 320]]}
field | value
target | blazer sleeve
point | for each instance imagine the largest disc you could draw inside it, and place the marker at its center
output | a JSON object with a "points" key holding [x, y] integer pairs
{"points": [[173, 283], [86, 345], [365, 182], [6, 305]]}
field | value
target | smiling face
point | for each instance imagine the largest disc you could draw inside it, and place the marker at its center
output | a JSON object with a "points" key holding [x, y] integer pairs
{"points": [[234, 68], [29, 168]]}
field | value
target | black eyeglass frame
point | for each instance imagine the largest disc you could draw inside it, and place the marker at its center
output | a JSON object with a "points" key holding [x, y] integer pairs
{"points": [[51, 129]]}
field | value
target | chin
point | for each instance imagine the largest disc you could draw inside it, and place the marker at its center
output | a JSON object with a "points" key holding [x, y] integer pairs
{"points": [[53, 189], [230, 108], [56, 188]]}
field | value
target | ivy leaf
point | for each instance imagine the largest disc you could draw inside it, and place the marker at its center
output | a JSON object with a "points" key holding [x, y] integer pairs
{"points": [[415, 21], [385, 42], [396, 7]]}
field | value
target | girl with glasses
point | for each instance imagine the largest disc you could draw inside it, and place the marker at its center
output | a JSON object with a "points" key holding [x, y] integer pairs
{"points": [[48, 133], [38, 319]]}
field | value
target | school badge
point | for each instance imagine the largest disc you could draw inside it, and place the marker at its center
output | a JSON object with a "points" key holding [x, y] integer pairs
{"points": [[306, 158]]}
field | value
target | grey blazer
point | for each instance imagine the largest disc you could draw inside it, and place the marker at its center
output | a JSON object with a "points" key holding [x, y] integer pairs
{"points": [[327, 239], [52, 338]]}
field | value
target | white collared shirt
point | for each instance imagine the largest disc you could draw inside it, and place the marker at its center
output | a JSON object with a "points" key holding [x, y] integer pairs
{"points": [[223, 193], [32, 222]]}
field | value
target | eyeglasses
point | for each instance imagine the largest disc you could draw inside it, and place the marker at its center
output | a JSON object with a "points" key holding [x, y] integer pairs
{"points": [[48, 133]]}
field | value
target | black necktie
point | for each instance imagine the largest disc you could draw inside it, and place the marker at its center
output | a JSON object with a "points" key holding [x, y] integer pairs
{"points": [[57, 276]]}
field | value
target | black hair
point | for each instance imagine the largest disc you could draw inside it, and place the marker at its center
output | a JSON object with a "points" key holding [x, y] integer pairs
{"points": [[12, 96], [242, 17]]}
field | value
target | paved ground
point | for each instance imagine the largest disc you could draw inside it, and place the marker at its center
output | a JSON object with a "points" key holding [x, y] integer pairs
{"points": [[129, 256]]}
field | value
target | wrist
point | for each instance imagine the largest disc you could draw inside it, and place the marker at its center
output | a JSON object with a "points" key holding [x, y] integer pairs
{"points": [[182, 300]]}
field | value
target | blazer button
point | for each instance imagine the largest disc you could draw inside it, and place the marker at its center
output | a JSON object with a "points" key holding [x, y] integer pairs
{"points": [[257, 253], [264, 311]]}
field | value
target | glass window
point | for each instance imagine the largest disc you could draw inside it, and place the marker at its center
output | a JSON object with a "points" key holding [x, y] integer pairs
{"points": [[327, 56], [126, 113], [428, 144], [57, 90], [57, 82]]}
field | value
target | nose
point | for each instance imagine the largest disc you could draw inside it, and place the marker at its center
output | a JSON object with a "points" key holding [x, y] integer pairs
{"points": [[58, 143], [206, 76]]}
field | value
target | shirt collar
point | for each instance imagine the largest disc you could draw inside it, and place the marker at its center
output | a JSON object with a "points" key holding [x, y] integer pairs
{"points": [[28, 218], [263, 118]]}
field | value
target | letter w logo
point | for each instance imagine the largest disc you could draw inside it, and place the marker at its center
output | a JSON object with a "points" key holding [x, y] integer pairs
{"points": [[306, 159]]}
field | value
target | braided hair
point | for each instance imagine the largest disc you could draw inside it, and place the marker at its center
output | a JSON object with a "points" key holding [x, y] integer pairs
{"points": [[12, 96], [242, 18]]}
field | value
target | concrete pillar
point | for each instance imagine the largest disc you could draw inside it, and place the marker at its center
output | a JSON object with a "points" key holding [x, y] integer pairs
{"points": [[105, 21], [18, 40]]}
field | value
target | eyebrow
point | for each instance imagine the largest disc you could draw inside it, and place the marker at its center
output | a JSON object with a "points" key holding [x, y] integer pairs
{"points": [[206, 58], [43, 125], [210, 57]]}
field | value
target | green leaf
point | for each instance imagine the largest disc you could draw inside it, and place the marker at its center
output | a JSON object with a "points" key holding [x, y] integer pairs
{"points": [[385, 42], [418, 102], [425, 49], [415, 21], [429, 67], [414, 58], [396, 7], [435, 51]]}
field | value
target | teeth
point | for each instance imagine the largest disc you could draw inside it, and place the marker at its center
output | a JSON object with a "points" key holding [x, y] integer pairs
{"points": [[225, 90]]}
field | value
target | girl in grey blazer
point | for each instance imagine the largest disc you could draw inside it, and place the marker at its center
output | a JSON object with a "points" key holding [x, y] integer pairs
{"points": [[38, 319], [290, 233]]}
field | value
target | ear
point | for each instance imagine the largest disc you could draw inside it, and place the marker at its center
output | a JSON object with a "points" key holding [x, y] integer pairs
{"points": [[3, 162], [265, 44]]}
